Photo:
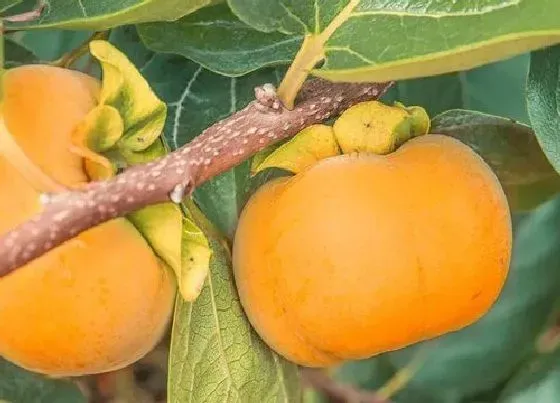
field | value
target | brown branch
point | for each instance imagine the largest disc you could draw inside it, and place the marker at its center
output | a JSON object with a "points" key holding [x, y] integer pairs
{"points": [[338, 392], [28, 16], [219, 148]]}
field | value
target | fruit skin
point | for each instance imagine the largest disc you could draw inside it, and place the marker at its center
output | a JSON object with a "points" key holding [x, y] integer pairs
{"points": [[100, 301], [362, 254]]}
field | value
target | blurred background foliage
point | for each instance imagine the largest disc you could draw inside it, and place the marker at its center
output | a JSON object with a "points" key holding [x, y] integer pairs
{"points": [[510, 355]]}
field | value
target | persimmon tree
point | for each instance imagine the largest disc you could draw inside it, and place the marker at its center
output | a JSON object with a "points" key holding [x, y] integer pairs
{"points": [[199, 104]]}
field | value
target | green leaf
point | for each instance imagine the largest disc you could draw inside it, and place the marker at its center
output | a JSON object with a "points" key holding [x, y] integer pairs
{"points": [[50, 44], [20, 386], [543, 101], [6, 4], [480, 356], [16, 54], [96, 15], [512, 151], [482, 89], [538, 381], [412, 38], [215, 354], [195, 99], [219, 41]]}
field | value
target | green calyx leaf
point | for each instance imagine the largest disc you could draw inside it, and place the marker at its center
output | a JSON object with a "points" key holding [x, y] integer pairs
{"points": [[161, 226], [369, 127], [373, 127], [312, 144], [124, 88], [195, 260]]}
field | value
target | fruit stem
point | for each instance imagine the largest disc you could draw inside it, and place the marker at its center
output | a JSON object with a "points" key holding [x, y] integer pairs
{"points": [[311, 52], [72, 57], [402, 377]]}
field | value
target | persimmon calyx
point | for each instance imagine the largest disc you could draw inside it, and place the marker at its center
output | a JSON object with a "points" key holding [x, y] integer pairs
{"points": [[368, 127]]}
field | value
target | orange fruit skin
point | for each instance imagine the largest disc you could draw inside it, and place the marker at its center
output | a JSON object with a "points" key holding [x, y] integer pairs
{"points": [[100, 301], [364, 254]]}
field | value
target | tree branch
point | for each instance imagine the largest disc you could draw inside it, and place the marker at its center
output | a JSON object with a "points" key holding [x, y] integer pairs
{"points": [[219, 148], [338, 392]]}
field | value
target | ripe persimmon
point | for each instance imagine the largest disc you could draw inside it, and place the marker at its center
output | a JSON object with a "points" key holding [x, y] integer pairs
{"points": [[361, 254], [103, 299]]}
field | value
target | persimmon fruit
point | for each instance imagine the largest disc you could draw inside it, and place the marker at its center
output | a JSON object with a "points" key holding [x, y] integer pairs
{"points": [[361, 254], [101, 300]]}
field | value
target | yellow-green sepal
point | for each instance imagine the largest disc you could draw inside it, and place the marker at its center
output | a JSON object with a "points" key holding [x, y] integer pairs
{"points": [[309, 146], [419, 119], [373, 127], [124, 88], [195, 260], [162, 226]]}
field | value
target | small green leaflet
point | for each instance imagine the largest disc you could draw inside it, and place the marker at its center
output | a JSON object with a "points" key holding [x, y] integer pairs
{"points": [[543, 100], [379, 40], [20, 386], [219, 41], [94, 14]]}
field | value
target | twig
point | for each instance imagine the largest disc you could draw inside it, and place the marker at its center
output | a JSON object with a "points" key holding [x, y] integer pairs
{"points": [[28, 16], [338, 392], [219, 148], [68, 59]]}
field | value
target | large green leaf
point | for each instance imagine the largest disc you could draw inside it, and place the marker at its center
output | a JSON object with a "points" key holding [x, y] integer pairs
{"points": [[6, 4], [480, 89], [50, 44], [512, 151], [480, 356], [94, 14], [543, 100], [218, 40], [20, 386], [215, 354], [16, 54], [378, 40], [538, 381]]}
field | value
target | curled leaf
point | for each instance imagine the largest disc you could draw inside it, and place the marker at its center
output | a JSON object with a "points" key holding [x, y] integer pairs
{"points": [[124, 88], [378, 128], [161, 226], [98, 132], [195, 260], [312, 144]]}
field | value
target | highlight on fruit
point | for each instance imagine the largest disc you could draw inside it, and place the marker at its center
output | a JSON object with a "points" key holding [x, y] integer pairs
{"points": [[384, 236]]}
